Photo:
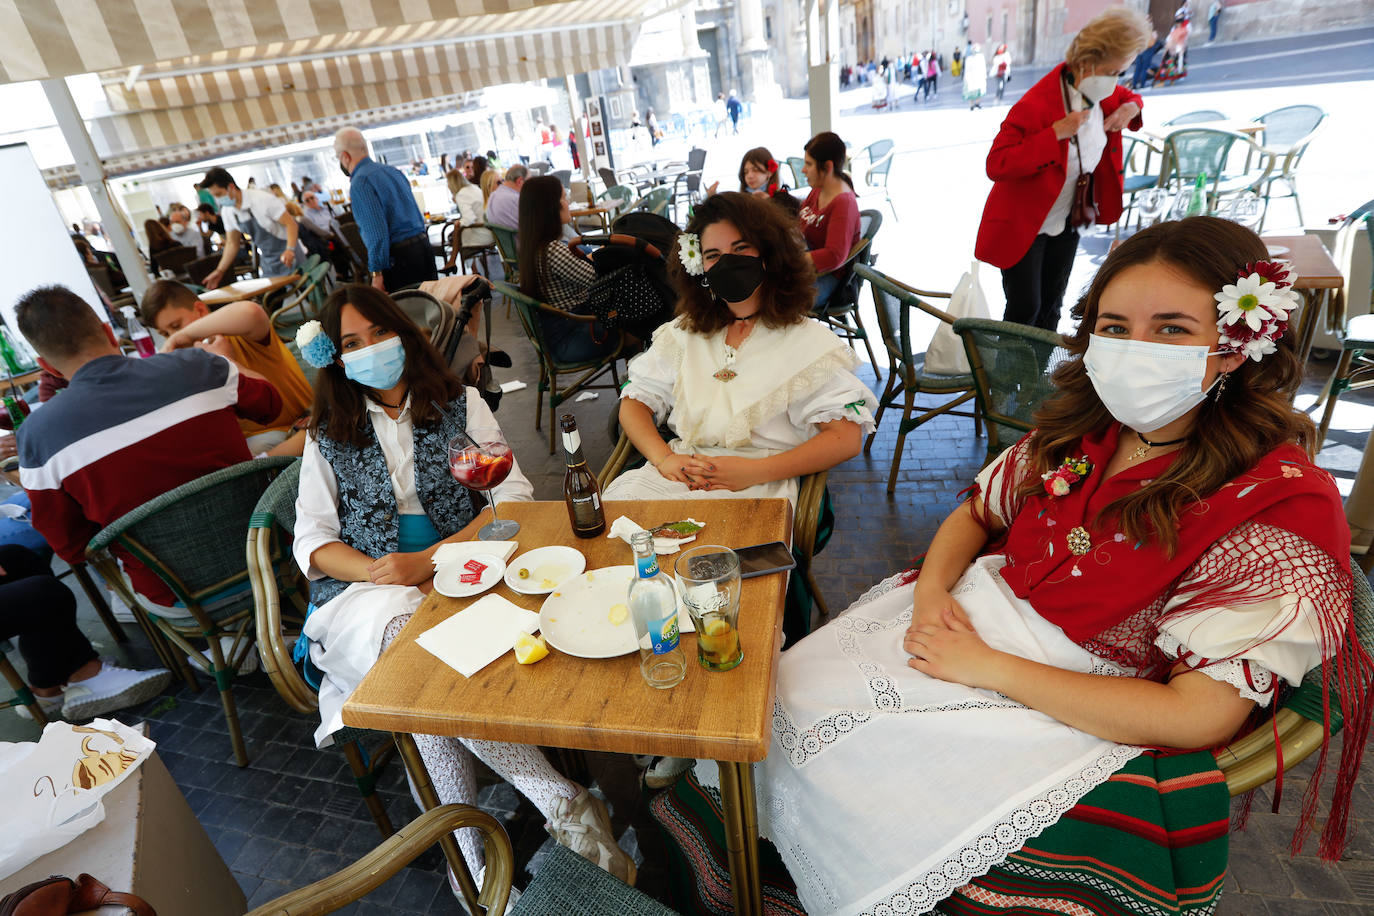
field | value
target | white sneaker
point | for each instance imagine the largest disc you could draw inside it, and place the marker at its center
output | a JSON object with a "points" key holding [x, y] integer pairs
{"points": [[666, 771], [112, 688], [478, 879], [51, 706], [584, 825]]}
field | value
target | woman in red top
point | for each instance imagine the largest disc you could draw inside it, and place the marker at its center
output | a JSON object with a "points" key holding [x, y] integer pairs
{"points": [[830, 214], [1068, 124]]}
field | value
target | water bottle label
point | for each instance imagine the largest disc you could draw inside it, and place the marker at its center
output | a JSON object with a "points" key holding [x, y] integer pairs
{"points": [[664, 634], [648, 566]]}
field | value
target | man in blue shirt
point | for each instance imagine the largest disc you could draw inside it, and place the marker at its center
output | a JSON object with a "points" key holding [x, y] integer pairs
{"points": [[398, 250]]}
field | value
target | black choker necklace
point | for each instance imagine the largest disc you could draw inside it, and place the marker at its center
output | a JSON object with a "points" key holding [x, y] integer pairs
{"points": [[392, 406], [1147, 445]]}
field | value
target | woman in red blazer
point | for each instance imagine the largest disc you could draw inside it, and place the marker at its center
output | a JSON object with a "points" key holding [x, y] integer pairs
{"points": [[1067, 124]]}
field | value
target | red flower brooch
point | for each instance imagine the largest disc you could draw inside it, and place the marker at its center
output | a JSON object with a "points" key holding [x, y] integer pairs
{"points": [[1069, 472]]}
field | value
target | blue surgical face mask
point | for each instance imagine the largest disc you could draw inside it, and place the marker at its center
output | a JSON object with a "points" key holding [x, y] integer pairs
{"points": [[223, 200], [379, 366]]}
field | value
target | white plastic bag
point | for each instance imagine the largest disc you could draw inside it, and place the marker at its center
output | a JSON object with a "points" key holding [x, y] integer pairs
{"points": [[945, 355], [50, 791]]}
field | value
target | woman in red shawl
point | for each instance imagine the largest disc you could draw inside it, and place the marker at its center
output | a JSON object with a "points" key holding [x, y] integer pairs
{"points": [[1028, 725]]}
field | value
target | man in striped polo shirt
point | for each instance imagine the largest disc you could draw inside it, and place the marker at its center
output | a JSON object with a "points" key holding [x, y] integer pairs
{"points": [[124, 430]]}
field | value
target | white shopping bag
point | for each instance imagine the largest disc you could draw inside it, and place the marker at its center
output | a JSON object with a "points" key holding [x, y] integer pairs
{"points": [[945, 355], [50, 791]]}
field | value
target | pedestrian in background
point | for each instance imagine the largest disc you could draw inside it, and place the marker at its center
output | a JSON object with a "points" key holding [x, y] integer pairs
{"points": [[975, 77], [1056, 166], [1001, 68], [1213, 18], [932, 75]]}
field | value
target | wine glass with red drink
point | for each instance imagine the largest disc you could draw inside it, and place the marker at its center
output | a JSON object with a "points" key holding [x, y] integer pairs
{"points": [[480, 460]]}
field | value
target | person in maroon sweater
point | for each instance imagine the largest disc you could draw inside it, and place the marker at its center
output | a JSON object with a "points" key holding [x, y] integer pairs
{"points": [[124, 430], [830, 214]]}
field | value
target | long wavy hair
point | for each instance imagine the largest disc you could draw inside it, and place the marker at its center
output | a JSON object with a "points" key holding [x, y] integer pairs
{"points": [[340, 408], [540, 224], [1251, 416], [789, 280]]}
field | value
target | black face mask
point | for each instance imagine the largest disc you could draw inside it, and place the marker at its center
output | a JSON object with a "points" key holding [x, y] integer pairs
{"points": [[734, 277], [344, 170]]}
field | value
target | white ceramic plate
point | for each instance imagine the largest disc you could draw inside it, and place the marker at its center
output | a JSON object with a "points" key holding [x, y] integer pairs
{"points": [[1276, 250], [575, 618], [548, 568], [447, 578]]}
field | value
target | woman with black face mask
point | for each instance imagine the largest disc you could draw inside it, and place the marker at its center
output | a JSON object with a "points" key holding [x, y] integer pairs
{"points": [[755, 392]]}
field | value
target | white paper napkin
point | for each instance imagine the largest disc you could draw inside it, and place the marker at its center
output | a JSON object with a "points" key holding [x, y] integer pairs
{"points": [[460, 551], [624, 529], [478, 635]]}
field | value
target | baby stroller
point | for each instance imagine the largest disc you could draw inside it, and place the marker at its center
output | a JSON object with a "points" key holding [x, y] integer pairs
{"points": [[631, 291], [447, 326]]}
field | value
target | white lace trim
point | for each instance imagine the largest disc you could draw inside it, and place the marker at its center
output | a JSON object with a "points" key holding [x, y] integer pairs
{"points": [[1008, 835], [802, 383], [1259, 685], [864, 418]]}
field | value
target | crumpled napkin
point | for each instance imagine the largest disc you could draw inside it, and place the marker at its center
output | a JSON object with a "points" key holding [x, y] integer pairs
{"points": [[624, 529], [460, 551]]}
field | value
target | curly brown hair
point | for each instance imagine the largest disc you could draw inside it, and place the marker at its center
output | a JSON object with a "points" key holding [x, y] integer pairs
{"points": [[1251, 416], [789, 280], [340, 409]]}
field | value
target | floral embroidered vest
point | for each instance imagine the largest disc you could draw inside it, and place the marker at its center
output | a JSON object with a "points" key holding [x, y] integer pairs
{"points": [[368, 520]]}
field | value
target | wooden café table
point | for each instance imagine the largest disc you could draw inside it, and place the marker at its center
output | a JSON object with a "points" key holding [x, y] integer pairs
{"points": [[247, 289], [1318, 280], [604, 704]]}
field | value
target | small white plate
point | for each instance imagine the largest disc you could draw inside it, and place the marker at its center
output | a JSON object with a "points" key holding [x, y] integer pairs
{"points": [[1276, 250], [548, 568], [447, 579]]}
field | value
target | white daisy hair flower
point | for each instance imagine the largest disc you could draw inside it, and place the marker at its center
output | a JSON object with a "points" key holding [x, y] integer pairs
{"points": [[1252, 313], [689, 251]]}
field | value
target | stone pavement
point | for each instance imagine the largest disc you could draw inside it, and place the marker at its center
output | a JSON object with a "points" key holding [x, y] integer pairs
{"points": [[293, 815]]}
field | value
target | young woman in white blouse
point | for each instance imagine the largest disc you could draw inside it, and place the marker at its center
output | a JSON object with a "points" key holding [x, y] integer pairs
{"points": [[376, 499]]}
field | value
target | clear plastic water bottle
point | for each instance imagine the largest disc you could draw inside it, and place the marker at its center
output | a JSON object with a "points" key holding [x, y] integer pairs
{"points": [[653, 605]]}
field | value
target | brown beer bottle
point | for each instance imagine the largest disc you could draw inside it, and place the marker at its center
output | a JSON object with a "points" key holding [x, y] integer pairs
{"points": [[580, 489]]}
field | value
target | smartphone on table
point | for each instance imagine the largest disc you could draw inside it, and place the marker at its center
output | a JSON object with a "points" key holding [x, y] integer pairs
{"points": [[762, 559]]}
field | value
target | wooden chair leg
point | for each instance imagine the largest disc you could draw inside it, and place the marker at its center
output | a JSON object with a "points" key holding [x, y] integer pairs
{"points": [[908, 407], [96, 595], [424, 788], [868, 344], [816, 595], [23, 696], [367, 787], [1340, 379]]}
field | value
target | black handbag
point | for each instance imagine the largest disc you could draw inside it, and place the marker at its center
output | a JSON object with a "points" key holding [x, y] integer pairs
{"points": [[1084, 209]]}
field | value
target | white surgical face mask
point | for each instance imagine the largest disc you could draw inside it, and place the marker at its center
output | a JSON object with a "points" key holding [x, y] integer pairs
{"points": [[1096, 88], [1146, 385]]}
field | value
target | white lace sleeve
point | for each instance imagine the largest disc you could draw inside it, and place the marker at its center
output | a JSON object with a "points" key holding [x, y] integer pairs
{"points": [[843, 398], [996, 481], [653, 373], [1251, 642]]}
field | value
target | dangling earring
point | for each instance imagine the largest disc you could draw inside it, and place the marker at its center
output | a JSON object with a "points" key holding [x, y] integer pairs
{"points": [[705, 284], [1221, 385]]}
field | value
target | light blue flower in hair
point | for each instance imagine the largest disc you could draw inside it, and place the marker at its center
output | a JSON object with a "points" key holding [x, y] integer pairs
{"points": [[315, 344]]}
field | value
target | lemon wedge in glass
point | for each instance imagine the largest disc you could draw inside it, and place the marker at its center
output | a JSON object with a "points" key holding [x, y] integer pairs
{"points": [[530, 649]]}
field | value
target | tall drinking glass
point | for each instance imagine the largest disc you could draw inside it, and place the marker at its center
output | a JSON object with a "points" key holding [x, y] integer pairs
{"points": [[1247, 208], [1152, 202], [708, 577], [481, 460]]}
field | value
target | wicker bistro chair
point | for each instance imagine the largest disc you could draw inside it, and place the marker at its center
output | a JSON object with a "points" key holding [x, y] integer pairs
{"points": [[191, 537], [529, 310], [797, 166], [655, 201], [1201, 116], [812, 499], [305, 302], [505, 246], [565, 885], [1253, 759], [879, 168], [23, 696], [841, 310], [1193, 151], [1355, 368], [907, 378], [1137, 176], [1287, 132], [1011, 366], [274, 576]]}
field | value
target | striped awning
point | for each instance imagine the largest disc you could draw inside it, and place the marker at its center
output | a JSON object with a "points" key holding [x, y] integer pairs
{"points": [[47, 38]]}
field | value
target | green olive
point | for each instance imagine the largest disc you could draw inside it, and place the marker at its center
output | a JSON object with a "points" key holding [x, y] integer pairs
{"points": [[523, 573]]}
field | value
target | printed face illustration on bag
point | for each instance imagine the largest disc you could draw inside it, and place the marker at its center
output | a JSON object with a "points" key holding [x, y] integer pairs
{"points": [[97, 768]]}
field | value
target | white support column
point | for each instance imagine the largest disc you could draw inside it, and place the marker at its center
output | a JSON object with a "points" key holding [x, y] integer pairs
{"points": [[822, 42], [93, 177], [584, 155]]}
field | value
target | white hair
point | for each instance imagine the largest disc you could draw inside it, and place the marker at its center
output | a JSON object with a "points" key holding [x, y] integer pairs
{"points": [[350, 140]]}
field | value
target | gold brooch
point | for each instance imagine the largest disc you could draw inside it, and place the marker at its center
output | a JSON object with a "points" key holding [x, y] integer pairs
{"points": [[724, 375], [1079, 542]]}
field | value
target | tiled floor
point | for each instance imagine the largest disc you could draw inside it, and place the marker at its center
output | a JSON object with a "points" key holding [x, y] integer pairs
{"points": [[293, 815]]}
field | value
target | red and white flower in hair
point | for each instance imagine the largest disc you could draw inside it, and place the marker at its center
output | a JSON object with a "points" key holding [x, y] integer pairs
{"points": [[1253, 311]]}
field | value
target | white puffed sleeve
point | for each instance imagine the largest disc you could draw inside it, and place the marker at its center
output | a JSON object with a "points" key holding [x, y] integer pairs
{"points": [[317, 508], [842, 397], [654, 372], [997, 482], [1250, 643]]}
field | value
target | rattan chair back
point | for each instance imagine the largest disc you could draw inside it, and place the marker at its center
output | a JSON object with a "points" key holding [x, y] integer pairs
{"points": [[1011, 365]]}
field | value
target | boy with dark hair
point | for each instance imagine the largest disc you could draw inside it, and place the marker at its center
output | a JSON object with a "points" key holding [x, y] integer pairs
{"points": [[124, 430], [241, 332]]}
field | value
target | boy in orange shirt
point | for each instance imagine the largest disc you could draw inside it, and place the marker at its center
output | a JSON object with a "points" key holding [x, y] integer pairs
{"points": [[241, 332]]}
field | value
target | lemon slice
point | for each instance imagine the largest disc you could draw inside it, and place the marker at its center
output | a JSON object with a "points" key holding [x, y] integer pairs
{"points": [[619, 614], [530, 649]]}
